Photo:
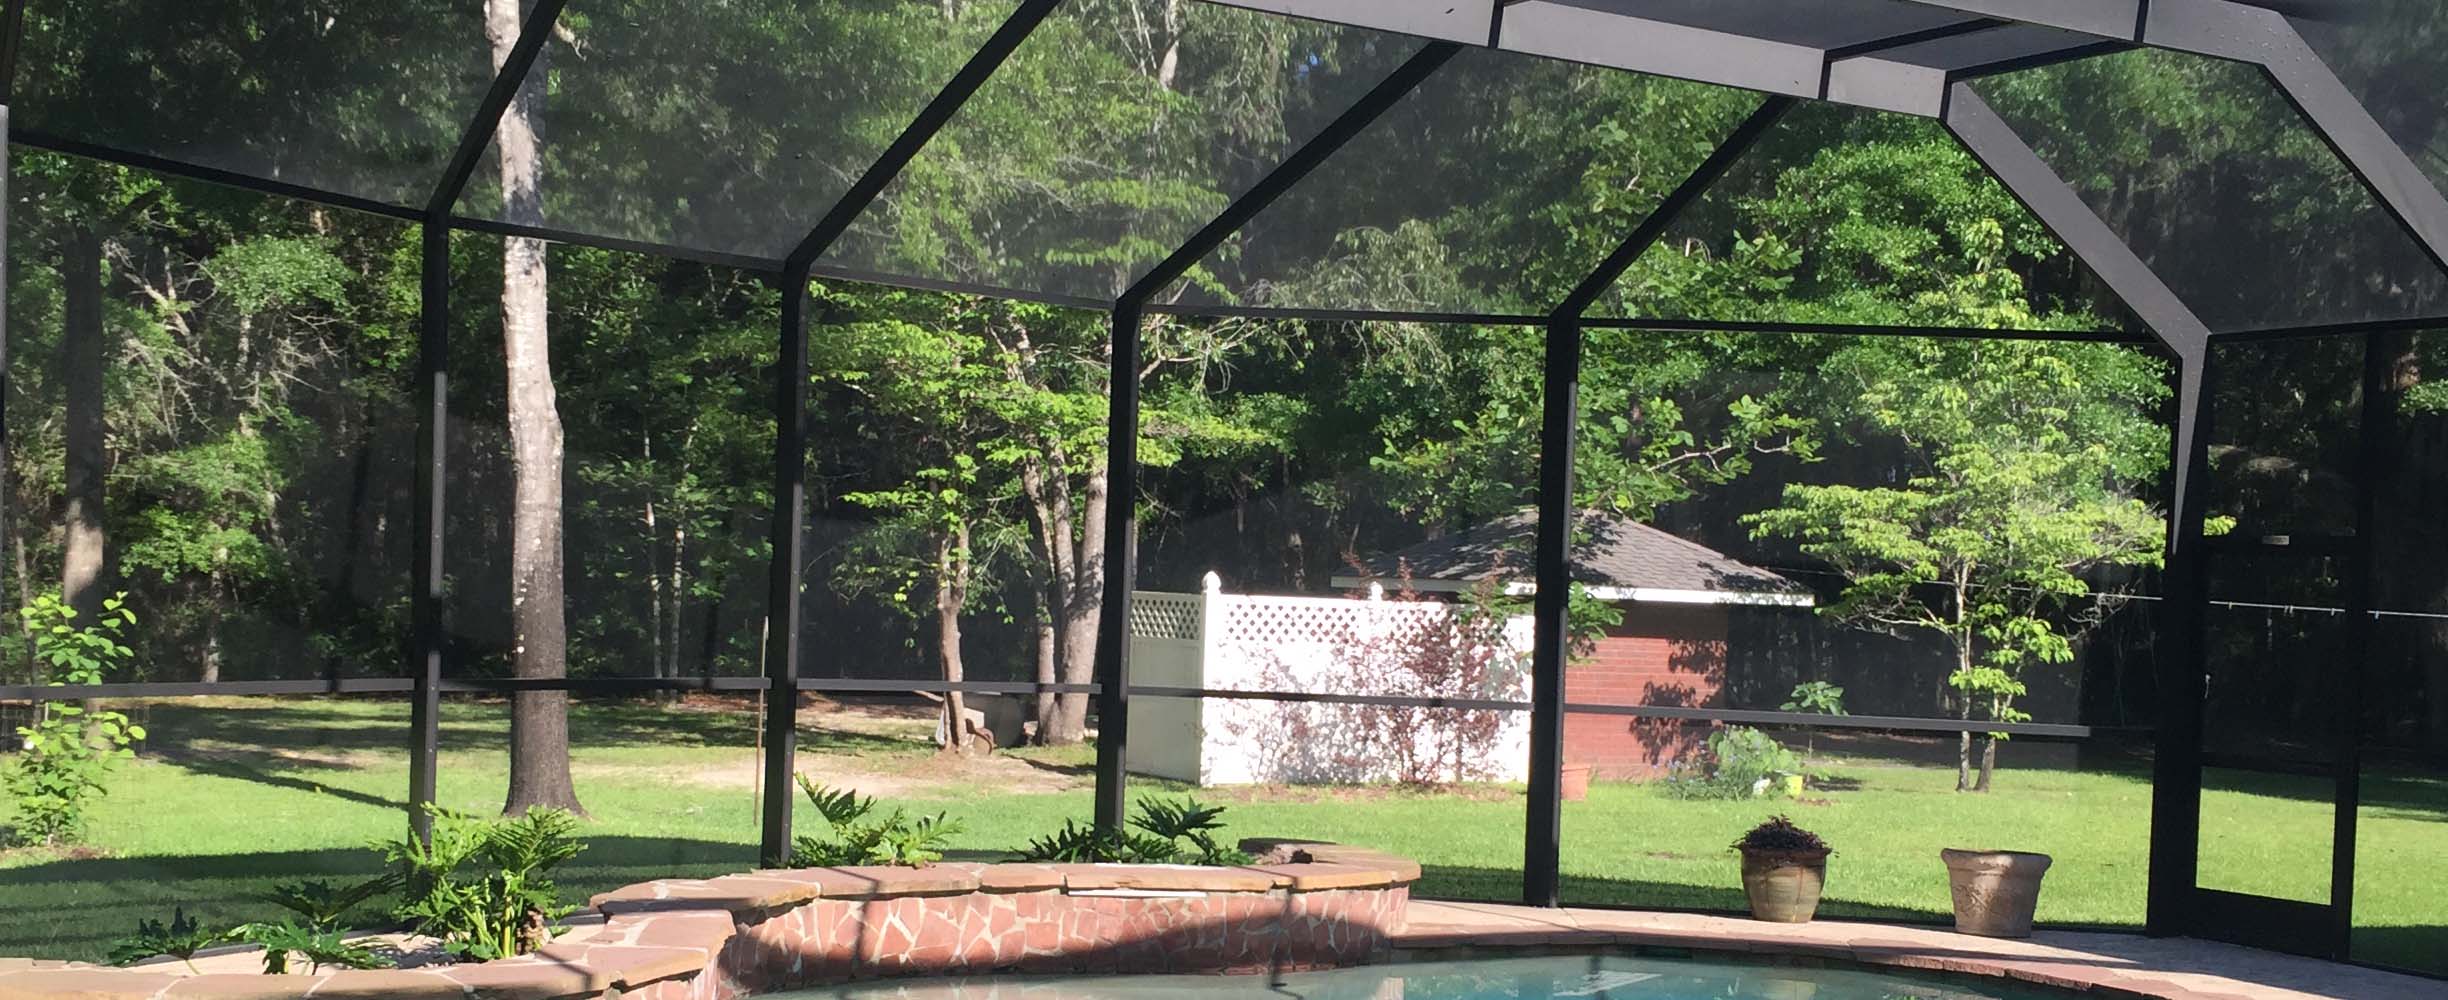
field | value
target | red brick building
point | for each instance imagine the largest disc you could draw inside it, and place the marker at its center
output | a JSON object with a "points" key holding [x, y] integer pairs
{"points": [[1669, 651]]}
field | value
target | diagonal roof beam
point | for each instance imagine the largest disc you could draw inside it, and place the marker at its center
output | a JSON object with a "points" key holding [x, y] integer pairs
{"points": [[913, 139], [1703, 177], [1397, 85], [2265, 38], [2054, 202], [2260, 36], [533, 33]]}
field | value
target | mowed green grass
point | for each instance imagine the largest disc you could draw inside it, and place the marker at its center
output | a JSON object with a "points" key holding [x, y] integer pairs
{"points": [[234, 794]]}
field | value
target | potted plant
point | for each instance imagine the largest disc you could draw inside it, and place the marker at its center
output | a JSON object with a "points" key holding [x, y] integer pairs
{"points": [[1995, 892], [1783, 869], [1574, 784]]}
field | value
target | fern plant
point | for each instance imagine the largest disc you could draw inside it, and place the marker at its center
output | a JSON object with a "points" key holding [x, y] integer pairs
{"points": [[854, 839], [1162, 827], [180, 939], [482, 885]]}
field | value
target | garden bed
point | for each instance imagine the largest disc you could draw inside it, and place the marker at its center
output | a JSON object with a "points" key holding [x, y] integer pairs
{"points": [[1304, 906]]}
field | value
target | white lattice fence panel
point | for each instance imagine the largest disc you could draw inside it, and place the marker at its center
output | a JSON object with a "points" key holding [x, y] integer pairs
{"points": [[1271, 622], [1165, 616]]}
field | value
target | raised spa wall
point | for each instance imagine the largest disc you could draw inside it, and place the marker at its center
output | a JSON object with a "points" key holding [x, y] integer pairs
{"points": [[709, 939]]}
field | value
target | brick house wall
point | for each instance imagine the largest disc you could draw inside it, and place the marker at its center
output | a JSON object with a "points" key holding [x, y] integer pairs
{"points": [[1662, 654]]}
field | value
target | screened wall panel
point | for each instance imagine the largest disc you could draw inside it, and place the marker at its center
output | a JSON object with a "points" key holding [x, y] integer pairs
{"points": [[660, 424], [264, 791], [2403, 818], [1162, 124], [364, 98], [2403, 808], [1832, 217], [2386, 53], [2286, 452], [2267, 834], [668, 788], [1495, 187], [729, 127], [1311, 533], [2206, 171], [1743, 498], [201, 427], [946, 436]]}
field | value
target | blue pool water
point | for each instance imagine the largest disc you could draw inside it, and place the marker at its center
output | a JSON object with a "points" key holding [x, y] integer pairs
{"points": [[1562, 977]]}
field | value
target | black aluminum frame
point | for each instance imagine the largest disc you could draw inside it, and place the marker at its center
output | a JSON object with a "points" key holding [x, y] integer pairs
{"points": [[2218, 28]]}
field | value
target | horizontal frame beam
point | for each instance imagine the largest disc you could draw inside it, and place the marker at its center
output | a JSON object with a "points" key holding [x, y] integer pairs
{"points": [[752, 684]]}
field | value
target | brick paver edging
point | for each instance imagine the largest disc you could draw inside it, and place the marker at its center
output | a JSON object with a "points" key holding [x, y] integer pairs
{"points": [[714, 939]]}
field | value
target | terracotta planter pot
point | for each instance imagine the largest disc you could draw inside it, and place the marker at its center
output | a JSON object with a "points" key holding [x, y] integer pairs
{"points": [[1784, 885], [1995, 891], [1575, 783]]}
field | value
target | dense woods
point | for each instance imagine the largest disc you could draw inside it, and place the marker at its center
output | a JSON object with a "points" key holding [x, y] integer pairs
{"points": [[212, 390]]}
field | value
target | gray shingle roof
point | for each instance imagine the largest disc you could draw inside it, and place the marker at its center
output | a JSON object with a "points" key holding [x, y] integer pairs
{"points": [[1615, 551]]}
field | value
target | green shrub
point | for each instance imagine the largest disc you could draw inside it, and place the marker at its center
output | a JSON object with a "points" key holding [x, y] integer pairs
{"points": [[481, 886], [854, 839], [69, 751], [1741, 763], [1168, 832]]}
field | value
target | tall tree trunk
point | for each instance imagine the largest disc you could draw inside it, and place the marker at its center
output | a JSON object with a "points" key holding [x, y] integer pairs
{"points": [[951, 598], [84, 355], [654, 573], [1083, 606], [1988, 762], [216, 598], [1963, 696], [539, 720], [1048, 668]]}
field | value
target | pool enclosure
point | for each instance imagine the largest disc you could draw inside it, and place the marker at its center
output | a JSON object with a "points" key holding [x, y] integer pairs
{"points": [[2277, 260]]}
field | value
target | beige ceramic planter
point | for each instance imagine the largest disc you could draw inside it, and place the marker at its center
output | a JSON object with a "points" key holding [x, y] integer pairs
{"points": [[1995, 892], [1783, 886]]}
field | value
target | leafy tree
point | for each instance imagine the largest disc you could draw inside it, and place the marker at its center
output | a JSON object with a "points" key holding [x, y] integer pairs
{"points": [[2027, 461], [69, 749]]}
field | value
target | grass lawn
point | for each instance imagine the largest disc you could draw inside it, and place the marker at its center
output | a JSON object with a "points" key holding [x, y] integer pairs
{"points": [[233, 794]]}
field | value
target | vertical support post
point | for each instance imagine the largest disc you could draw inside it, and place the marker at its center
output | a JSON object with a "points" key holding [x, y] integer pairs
{"points": [[2373, 431], [425, 598], [2175, 834], [1121, 563], [1122, 410], [1559, 414], [788, 559], [1560, 410]]}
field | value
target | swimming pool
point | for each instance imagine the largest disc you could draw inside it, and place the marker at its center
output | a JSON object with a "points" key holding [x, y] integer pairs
{"points": [[1550, 977]]}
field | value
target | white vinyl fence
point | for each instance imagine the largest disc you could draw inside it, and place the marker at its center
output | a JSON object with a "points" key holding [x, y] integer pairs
{"points": [[1321, 645]]}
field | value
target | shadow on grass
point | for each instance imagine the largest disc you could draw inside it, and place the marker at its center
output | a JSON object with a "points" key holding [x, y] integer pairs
{"points": [[269, 741], [74, 908]]}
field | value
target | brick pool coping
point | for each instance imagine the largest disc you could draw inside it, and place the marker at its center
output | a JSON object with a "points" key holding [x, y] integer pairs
{"points": [[2090, 964], [713, 939]]}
